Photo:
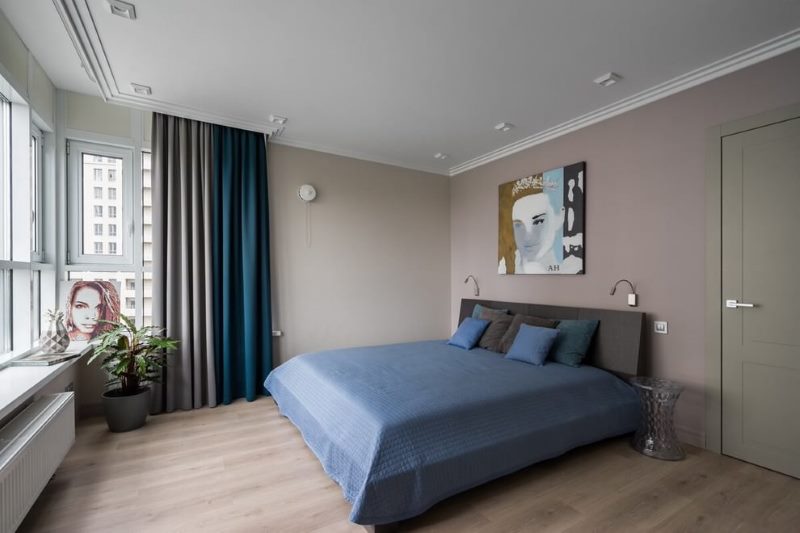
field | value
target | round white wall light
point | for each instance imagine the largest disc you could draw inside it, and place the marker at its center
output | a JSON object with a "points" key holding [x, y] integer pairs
{"points": [[307, 193]]}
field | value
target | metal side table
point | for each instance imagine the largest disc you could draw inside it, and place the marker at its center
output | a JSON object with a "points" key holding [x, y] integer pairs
{"points": [[656, 434]]}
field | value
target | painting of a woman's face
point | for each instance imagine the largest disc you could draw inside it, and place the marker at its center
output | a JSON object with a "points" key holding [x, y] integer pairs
{"points": [[532, 217], [541, 222], [92, 306], [86, 308]]}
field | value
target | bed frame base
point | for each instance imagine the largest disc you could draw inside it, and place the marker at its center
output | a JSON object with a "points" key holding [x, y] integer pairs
{"points": [[383, 528]]}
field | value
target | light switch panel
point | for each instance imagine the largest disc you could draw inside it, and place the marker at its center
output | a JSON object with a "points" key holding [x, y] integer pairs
{"points": [[660, 326]]}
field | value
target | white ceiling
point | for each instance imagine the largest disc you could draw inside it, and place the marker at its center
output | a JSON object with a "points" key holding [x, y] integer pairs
{"points": [[398, 81]]}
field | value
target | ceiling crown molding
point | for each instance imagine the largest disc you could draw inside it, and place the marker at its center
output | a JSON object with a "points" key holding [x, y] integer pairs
{"points": [[294, 143], [761, 52], [79, 23]]}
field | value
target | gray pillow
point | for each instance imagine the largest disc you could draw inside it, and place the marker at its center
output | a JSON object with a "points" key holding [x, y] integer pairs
{"points": [[487, 313], [513, 329], [494, 333]]}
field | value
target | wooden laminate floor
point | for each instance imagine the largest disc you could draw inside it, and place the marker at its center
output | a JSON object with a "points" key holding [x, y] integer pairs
{"points": [[244, 468]]}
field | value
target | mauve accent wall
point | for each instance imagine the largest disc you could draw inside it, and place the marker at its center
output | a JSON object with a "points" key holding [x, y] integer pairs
{"points": [[645, 218]]}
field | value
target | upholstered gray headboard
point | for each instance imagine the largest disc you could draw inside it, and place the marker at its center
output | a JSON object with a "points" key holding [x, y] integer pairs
{"points": [[617, 345]]}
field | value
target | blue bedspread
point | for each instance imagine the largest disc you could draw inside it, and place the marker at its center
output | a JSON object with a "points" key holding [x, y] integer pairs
{"points": [[401, 427]]}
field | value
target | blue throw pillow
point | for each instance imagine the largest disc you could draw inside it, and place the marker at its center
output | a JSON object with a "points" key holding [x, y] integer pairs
{"points": [[532, 344], [468, 333], [476, 311], [574, 341]]}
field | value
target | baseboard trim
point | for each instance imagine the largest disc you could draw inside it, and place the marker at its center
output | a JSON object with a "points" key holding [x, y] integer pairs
{"points": [[691, 436]]}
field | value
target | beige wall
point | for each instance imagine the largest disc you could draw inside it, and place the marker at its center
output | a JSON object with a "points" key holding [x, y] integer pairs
{"points": [[377, 268], [25, 75], [645, 210], [85, 113], [91, 114]]}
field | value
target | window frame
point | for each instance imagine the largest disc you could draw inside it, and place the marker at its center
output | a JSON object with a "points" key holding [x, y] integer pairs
{"points": [[38, 216], [28, 280], [126, 224], [6, 222], [69, 261]]}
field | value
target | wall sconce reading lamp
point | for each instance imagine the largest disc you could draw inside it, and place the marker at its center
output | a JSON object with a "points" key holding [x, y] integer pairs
{"points": [[477, 290], [632, 297]]}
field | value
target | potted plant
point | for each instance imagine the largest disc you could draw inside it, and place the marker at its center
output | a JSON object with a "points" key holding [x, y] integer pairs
{"points": [[132, 357]]}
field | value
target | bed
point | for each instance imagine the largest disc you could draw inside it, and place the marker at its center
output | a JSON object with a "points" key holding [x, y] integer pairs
{"points": [[401, 427]]}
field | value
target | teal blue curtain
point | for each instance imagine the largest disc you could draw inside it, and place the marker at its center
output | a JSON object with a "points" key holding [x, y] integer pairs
{"points": [[241, 274]]}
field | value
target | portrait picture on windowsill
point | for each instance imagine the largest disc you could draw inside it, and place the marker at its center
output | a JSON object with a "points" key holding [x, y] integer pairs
{"points": [[88, 304], [541, 224]]}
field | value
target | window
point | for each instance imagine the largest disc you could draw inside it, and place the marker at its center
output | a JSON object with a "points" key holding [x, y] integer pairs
{"points": [[147, 298], [98, 229], [36, 304], [5, 312], [37, 210], [98, 175], [5, 179], [123, 252], [85, 245], [147, 213], [147, 241], [27, 283]]}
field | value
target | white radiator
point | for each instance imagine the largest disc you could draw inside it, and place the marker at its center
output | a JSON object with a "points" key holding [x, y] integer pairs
{"points": [[32, 446]]}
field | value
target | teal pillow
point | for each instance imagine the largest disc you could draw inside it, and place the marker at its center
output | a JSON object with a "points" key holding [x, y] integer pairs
{"points": [[476, 311], [573, 341]]}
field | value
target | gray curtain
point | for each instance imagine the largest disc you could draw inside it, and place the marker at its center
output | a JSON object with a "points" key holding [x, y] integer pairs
{"points": [[182, 233]]}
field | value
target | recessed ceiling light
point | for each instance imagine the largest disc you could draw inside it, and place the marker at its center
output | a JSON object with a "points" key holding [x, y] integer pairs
{"points": [[277, 119], [608, 79], [440, 155], [122, 9], [143, 90], [504, 127]]}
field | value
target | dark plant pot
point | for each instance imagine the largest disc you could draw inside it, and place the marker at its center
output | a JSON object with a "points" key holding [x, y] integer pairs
{"points": [[126, 413]]}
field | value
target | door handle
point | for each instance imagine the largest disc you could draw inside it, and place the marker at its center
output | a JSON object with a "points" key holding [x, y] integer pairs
{"points": [[733, 304]]}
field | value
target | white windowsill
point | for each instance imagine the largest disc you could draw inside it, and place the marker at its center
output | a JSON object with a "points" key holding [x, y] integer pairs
{"points": [[20, 383], [7, 357]]}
